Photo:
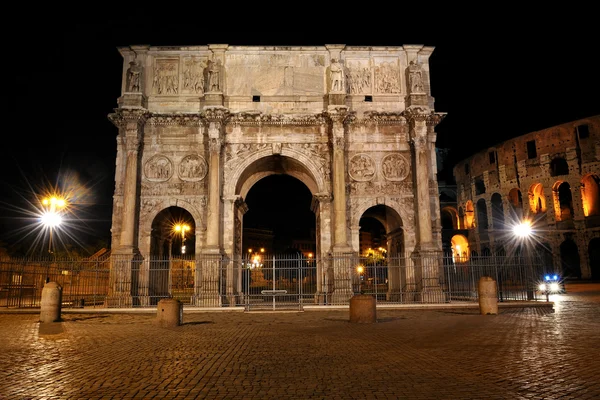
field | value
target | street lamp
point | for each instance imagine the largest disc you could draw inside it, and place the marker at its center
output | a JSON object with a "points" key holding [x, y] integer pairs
{"points": [[524, 231], [183, 228], [51, 217], [360, 269]]}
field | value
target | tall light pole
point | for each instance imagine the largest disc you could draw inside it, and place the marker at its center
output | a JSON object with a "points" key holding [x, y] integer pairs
{"points": [[523, 231], [183, 228], [51, 218]]}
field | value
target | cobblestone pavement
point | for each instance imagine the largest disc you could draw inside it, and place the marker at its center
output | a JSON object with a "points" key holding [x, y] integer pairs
{"points": [[521, 353]]}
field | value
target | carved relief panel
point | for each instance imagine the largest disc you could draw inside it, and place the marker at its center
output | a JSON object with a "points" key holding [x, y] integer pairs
{"points": [[359, 77], [387, 76], [159, 168], [395, 167], [165, 80], [192, 168], [362, 168], [193, 75]]}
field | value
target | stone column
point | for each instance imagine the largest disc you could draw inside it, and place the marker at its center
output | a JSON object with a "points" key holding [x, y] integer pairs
{"points": [[210, 266], [126, 260], [234, 211], [427, 256], [344, 261], [321, 206]]}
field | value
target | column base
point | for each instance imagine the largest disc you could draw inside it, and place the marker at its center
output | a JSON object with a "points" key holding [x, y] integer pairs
{"points": [[207, 300], [431, 296], [119, 301], [320, 298], [340, 296]]}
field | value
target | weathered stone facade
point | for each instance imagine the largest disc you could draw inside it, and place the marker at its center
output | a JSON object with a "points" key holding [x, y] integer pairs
{"points": [[199, 126], [548, 178]]}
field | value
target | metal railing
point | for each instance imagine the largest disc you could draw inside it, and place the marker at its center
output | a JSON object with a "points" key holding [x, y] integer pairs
{"points": [[275, 282]]}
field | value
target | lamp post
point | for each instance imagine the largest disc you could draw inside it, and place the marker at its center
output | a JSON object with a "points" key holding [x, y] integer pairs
{"points": [[183, 228], [523, 231], [51, 217], [360, 269]]}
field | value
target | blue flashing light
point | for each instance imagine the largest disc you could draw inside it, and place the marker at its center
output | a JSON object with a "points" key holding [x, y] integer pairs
{"points": [[547, 277], [555, 277]]}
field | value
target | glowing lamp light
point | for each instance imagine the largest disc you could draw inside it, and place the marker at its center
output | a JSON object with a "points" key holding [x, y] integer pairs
{"points": [[360, 269], [51, 219], [523, 229]]}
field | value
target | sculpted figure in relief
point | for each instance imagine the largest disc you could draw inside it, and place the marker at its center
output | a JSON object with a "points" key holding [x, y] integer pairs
{"points": [[387, 78], [394, 167], [415, 78], [362, 167], [134, 74], [213, 72], [193, 76], [166, 78], [337, 76], [158, 168], [192, 168], [359, 80]]}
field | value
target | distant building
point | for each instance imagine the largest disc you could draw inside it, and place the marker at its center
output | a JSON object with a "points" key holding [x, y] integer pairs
{"points": [[548, 179], [256, 239]]}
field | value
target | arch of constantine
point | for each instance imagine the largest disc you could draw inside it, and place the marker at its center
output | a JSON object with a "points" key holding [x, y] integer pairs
{"points": [[199, 126]]}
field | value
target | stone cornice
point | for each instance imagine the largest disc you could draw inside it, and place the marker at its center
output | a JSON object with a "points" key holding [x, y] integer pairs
{"points": [[216, 114], [259, 119], [435, 118], [430, 117], [381, 118], [125, 116], [176, 120]]}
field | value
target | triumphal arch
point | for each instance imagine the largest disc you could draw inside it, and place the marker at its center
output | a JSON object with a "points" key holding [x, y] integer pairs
{"points": [[198, 126]]}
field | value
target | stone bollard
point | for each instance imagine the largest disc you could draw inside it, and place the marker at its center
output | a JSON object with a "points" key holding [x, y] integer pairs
{"points": [[169, 313], [363, 309], [488, 296], [51, 302]]}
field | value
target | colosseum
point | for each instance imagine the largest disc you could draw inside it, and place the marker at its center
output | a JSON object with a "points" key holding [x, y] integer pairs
{"points": [[546, 181]]}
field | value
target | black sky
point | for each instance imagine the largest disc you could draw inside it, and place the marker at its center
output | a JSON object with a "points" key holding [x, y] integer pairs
{"points": [[497, 75]]}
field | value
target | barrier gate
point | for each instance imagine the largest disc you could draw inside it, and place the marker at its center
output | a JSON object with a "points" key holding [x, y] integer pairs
{"points": [[279, 282]]}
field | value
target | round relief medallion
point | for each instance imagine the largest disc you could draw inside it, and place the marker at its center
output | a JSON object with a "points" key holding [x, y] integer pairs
{"points": [[394, 167], [158, 169], [362, 168], [192, 168]]}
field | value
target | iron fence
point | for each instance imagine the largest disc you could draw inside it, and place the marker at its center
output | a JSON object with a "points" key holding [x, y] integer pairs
{"points": [[274, 282]]}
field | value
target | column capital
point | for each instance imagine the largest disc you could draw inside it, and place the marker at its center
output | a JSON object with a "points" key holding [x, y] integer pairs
{"points": [[216, 114], [125, 118]]}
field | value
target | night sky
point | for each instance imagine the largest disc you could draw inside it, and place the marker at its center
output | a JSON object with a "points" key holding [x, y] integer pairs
{"points": [[495, 80]]}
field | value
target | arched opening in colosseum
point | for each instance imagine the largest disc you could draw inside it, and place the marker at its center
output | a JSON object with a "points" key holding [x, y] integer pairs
{"points": [[172, 249], [449, 218], [559, 166], [590, 195], [537, 200], [469, 214], [563, 201], [482, 218], [516, 201], [594, 258], [569, 258], [497, 211]]}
